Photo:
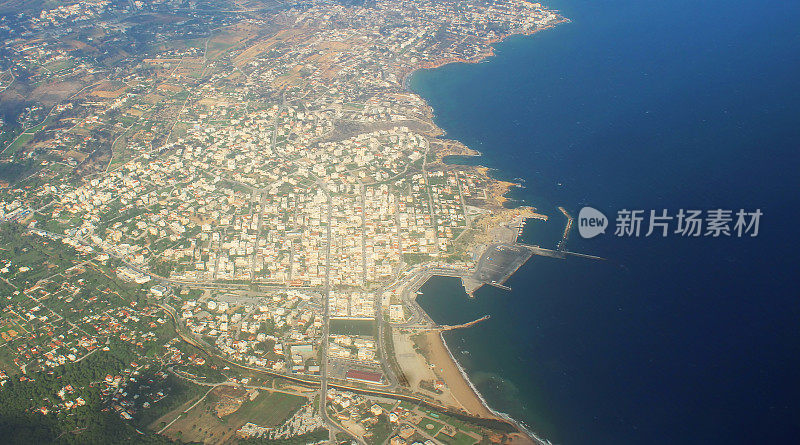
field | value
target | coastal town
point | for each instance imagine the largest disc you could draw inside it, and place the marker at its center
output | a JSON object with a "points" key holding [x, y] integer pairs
{"points": [[215, 218]]}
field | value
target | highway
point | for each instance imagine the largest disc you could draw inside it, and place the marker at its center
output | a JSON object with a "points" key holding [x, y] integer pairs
{"points": [[324, 385], [407, 283]]}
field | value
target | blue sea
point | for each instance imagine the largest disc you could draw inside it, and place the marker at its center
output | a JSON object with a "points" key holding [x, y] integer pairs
{"points": [[639, 104]]}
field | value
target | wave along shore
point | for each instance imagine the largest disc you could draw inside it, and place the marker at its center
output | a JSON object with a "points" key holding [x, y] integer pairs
{"points": [[519, 424]]}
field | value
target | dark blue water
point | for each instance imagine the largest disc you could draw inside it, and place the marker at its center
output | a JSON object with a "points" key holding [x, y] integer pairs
{"points": [[643, 105]]}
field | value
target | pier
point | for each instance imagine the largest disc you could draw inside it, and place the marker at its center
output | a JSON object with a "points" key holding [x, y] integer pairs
{"points": [[502, 259], [463, 325], [541, 251], [560, 254], [498, 262], [562, 245]]}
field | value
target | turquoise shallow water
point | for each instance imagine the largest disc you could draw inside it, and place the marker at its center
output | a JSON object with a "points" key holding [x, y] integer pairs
{"points": [[650, 105]]}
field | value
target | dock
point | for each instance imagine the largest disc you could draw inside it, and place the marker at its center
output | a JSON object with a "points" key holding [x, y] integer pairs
{"points": [[500, 260]]}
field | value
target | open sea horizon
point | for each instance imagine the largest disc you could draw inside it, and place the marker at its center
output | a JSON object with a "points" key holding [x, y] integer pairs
{"points": [[638, 105]]}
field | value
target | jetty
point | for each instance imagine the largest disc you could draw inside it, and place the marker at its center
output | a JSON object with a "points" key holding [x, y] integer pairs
{"points": [[499, 260], [463, 325], [502, 259], [567, 229]]}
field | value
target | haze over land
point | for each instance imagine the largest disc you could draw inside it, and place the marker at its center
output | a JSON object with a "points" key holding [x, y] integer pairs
{"points": [[224, 209]]}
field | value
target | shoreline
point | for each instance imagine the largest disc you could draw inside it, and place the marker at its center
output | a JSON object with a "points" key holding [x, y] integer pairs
{"points": [[433, 64], [464, 391], [435, 339], [521, 426], [452, 147]]}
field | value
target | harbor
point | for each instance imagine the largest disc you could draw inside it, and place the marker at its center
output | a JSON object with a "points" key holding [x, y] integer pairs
{"points": [[499, 261]]}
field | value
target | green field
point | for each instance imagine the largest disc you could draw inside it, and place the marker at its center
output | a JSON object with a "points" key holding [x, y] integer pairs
{"points": [[268, 409], [455, 423], [429, 426], [459, 439], [60, 65], [18, 143], [25, 137], [364, 328]]}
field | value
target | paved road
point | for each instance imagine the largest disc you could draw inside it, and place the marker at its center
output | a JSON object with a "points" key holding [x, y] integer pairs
{"points": [[333, 428]]}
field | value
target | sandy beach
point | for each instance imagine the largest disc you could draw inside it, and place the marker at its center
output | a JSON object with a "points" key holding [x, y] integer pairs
{"points": [[447, 370], [465, 396]]}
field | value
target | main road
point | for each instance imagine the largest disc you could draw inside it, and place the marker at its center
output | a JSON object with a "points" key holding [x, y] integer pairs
{"points": [[333, 427]]}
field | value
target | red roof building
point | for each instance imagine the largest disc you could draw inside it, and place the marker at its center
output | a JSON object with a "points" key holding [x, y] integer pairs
{"points": [[364, 376]]}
